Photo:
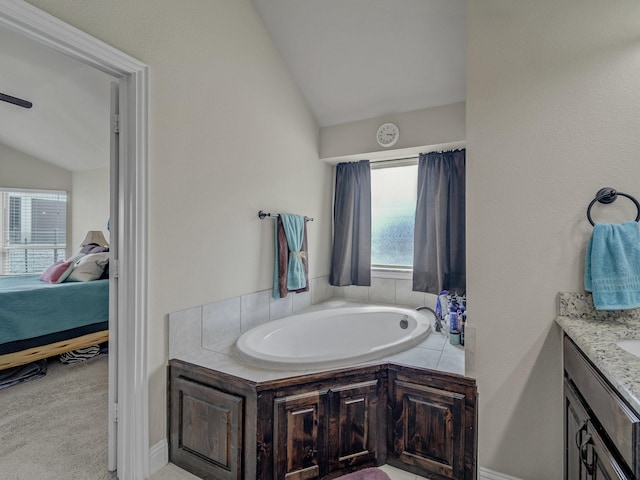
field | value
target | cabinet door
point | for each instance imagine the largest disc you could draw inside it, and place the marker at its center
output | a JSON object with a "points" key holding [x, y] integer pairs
{"points": [[428, 428], [206, 430], [354, 424], [300, 436], [603, 464], [575, 435]]}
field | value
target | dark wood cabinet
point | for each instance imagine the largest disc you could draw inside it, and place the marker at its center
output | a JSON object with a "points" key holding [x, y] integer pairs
{"points": [[357, 424], [323, 425], [208, 429], [432, 424], [300, 435], [428, 428], [601, 431]]}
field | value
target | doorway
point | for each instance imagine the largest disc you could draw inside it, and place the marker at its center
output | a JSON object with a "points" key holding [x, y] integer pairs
{"points": [[130, 204]]}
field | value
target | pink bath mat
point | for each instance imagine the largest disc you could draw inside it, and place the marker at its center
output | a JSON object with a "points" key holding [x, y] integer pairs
{"points": [[366, 474]]}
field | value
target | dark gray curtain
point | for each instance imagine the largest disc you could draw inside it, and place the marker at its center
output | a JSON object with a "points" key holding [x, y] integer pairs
{"points": [[439, 261], [351, 257]]}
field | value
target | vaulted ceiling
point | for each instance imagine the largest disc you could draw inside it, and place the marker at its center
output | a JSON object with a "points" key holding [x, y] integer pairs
{"points": [[352, 60], [68, 124], [358, 59]]}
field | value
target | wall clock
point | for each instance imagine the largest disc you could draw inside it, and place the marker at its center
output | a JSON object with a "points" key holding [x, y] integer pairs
{"points": [[388, 134]]}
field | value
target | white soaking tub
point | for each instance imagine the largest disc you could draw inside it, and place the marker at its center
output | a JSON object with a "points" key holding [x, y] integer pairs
{"points": [[334, 337]]}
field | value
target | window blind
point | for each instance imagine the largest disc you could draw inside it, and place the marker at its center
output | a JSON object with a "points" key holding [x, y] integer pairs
{"points": [[33, 230]]}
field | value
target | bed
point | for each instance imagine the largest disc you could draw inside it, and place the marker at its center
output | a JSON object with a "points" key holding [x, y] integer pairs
{"points": [[39, 319]]}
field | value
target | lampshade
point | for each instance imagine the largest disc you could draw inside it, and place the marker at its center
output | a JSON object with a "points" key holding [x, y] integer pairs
{"points": [[95, 236]]}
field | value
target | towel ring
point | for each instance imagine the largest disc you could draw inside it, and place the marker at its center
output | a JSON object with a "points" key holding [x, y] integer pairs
{"points": [[609, 195]]}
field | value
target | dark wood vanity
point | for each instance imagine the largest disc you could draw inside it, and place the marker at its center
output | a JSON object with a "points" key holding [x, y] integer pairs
{"points": [[602, 432], [322, 425]]}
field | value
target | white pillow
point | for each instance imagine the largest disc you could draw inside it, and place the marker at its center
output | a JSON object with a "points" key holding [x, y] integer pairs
{"points": [[89, 267], [76, 257]]}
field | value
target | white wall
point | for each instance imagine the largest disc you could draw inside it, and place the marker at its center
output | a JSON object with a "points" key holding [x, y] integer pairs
{"points": [[552, 116], [229, 135], [89, 204], [418, 128], [19, 170]]}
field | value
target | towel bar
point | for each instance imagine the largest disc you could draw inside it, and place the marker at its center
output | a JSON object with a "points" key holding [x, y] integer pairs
{"points": [[262, 215], [609, 195]]}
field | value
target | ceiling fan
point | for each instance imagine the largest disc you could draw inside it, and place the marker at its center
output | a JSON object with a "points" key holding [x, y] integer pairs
{"points": [[15, 100]]}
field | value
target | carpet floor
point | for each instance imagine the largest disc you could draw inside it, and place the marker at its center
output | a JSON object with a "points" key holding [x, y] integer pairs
{"points": [[55, 427]]}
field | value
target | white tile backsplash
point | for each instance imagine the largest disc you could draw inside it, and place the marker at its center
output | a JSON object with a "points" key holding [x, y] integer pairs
{"points": [[221, 324], [382, 290], [254, 309], [319, 289], [356, 293], [216, 326], [406, 296], [185, 331], [335, 292], [281, 307], [301, 301]]}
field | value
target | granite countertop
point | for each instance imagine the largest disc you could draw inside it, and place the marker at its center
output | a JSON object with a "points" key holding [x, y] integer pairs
{"points": [[595, 332]]}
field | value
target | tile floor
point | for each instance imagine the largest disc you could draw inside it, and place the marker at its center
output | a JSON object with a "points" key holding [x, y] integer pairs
{"points": [[171, 472], [435, 352]]}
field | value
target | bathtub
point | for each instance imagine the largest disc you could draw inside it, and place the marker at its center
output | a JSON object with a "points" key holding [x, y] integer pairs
{"points": [[336, 336]]}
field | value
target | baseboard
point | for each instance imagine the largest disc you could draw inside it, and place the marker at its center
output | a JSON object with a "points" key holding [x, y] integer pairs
{"points": [[486, 474], [158, 456]]}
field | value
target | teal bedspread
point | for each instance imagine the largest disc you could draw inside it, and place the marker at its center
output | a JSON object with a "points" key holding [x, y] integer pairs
{"points": [[31, 308]]}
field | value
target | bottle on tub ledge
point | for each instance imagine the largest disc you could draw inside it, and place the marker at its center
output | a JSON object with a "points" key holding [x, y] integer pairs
{"points": [[463, 318], [457, 307]]}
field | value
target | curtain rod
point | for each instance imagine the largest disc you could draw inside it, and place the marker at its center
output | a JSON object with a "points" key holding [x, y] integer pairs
{"points": [[395, 159], [412, 157]]}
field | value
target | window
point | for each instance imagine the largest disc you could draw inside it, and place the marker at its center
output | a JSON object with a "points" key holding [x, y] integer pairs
{"points": [[33, 230], [394, 188]]}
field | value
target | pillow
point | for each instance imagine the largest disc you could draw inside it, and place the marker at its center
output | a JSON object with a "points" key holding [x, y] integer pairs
{"points": [[58, 272], [93, 248], [75, 258], [89, 267], [105, 273]]}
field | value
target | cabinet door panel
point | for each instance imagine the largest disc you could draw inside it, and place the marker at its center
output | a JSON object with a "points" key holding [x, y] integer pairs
{"points": [[354, 416], [574, 435], [206, 429], [604, 464], [300, 427], [428, 428]]}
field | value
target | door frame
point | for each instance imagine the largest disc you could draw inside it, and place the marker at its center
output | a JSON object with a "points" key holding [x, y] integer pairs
{"points": [[133, 403]]}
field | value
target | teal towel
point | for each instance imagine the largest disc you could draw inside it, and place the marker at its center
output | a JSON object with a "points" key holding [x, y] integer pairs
{"points": [[276, 289], [612, 266], [294, 230]]}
